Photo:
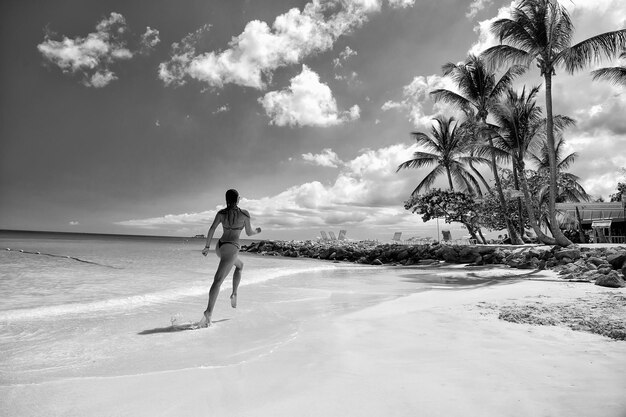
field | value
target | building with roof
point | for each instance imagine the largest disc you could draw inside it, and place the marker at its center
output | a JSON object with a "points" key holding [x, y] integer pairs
{"points": [[602, 222]]}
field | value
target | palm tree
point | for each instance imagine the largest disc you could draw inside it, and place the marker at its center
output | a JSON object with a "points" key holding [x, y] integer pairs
{"points": [[480, 90], [616, 75], [570, 190], [518, 122], [542, 30], [447, 151]]}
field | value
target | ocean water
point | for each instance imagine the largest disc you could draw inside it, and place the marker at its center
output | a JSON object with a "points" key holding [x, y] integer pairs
{"points": [[81, 306]]}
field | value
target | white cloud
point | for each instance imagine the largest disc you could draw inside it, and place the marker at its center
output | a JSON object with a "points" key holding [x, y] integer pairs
{"points": [[401, 3], [476, 6], [306, 102], [100, 79], [327, 158], [483, 29], [253, 55], [343, 57], [92, 55], [416, 97], [222, 109], [598, 179], [367, 193], [149, 39]]}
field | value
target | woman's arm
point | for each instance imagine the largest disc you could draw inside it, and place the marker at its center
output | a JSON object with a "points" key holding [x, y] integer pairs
{"points": [[211, 232], [249, 230]]}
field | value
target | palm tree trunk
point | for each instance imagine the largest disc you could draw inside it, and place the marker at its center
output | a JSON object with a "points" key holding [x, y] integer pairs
{"points": [[581, 233], [520, 211], [480, 233], [561, 240], [449, 178], [479, 175], [532, 217], [515, 239], [471, 231]]}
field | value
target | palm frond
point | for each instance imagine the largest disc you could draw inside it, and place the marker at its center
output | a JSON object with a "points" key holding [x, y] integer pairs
{"points": [[515, 31], [498, 55], [420, 159], [451, 97], [592, 50], [507, 79], [429, 179], [422, 139], [567, 161], [615, 75], [562, 122]]}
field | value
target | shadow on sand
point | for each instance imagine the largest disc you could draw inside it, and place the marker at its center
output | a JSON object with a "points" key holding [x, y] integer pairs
{"points": [[176, 328], [469, 279]]}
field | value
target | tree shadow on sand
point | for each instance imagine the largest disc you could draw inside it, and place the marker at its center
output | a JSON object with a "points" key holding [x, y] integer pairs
{"points": [[472, 279], [176, 328]]}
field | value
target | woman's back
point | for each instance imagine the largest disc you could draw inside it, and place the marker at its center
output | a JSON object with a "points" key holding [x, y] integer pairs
{"points": [[233, 222]]}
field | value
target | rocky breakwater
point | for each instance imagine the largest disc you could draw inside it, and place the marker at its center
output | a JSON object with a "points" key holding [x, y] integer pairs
{"points": [[604, 266]]}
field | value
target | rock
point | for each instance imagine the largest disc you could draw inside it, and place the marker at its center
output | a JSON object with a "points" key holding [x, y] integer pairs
{"points": [[617, 260], [568, 253], [596, 261], [377, 262], [611, 280], [403, 255], [447, 253], [604, 269], [565, 260]]}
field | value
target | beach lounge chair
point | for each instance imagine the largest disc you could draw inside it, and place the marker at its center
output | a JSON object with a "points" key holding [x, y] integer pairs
{"points": [[342, 234], [324, 235], [447, 236], [397, 237], [332, 236]]}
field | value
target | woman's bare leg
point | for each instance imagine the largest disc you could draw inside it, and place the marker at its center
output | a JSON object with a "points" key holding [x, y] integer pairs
{"points": [[228, 256], [236, 280]]}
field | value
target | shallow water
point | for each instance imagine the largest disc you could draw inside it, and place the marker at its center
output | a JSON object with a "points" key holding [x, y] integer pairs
{"points": [[94, 306]]}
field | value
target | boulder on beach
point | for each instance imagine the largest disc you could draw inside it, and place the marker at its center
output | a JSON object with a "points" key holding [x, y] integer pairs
{"points": [[617, 260], [611, 280], [572, 254]]}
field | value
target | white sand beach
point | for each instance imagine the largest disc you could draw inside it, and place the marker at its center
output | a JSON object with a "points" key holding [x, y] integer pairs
{"points": [[432, 353]]}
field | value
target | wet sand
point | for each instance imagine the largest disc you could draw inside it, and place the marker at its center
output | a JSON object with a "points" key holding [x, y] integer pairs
{"points": [[436, 352]]}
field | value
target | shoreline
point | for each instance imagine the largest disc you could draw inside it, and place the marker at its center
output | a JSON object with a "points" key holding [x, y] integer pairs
{"points": [[441, 352]]}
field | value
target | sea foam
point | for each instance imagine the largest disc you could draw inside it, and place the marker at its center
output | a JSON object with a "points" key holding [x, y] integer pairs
{"points": [[125, 304]]}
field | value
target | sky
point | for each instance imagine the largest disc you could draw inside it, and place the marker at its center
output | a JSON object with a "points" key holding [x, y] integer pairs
{"points": [[135, 117]]}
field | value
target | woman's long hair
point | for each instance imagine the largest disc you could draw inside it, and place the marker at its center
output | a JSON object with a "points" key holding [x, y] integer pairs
{"points": [[232, 210]]}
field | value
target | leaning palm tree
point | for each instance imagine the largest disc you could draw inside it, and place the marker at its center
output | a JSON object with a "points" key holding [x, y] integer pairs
{"points": [[542, 30], [480, 90], [615, 75], [518, 123], [447, 150]]}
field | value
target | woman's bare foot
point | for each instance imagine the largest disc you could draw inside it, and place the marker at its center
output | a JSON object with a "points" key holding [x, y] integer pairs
{"points": [[233, 300], [205, 321]]}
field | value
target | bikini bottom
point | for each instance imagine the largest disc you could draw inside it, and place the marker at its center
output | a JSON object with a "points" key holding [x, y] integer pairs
{"points": [[220, 243]]}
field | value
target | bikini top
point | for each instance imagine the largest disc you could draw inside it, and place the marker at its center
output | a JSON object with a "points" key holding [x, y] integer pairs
{"points": [[232, 213], [232, 228]]}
